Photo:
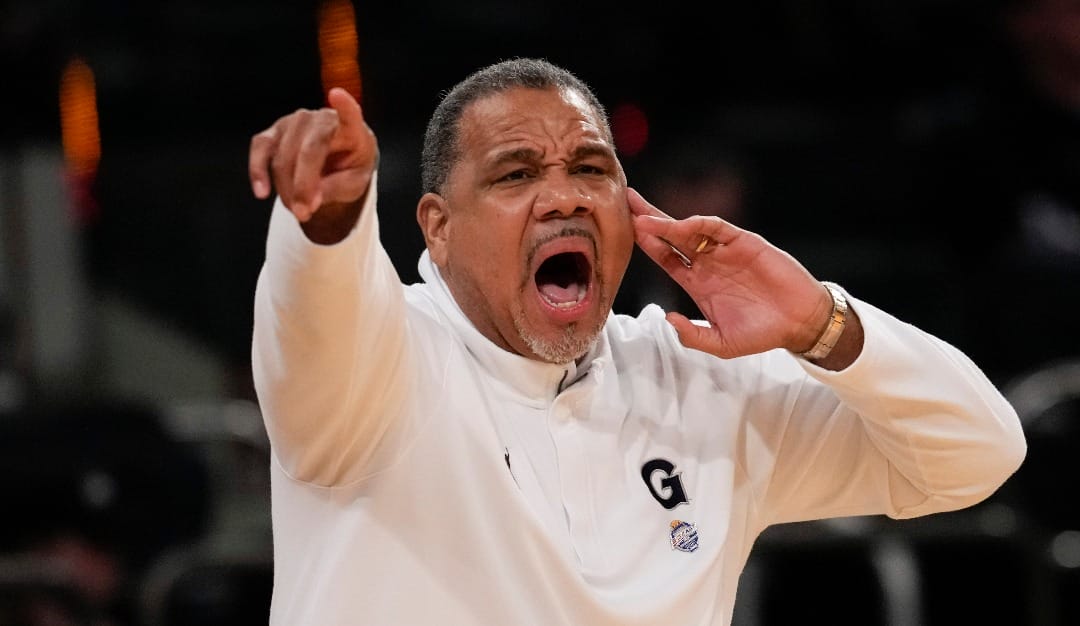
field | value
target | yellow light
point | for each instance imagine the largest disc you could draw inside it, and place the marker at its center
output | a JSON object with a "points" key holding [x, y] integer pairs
{"points": [[338, 47], [79, 133]]}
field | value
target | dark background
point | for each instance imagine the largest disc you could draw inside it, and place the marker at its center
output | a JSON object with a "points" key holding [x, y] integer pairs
{"points": [[903, 148], [876, 139]]}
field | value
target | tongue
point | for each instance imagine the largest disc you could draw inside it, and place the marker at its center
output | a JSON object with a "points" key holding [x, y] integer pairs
{"points": [[560, 295]]}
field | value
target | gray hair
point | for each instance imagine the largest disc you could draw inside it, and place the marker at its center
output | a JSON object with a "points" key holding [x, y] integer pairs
{"points": [[441, 148]]}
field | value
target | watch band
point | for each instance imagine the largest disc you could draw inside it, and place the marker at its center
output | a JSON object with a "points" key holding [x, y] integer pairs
{"points": [[834, 328]]}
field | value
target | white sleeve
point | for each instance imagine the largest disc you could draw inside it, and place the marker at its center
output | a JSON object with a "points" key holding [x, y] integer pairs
{"points": [[918, 429], [329, 354]]}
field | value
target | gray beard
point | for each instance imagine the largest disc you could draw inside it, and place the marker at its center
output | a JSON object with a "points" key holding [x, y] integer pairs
{"points": [[571, 346]]}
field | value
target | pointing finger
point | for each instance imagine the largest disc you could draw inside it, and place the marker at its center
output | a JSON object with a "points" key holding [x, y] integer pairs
{"points": [[347, 107]]}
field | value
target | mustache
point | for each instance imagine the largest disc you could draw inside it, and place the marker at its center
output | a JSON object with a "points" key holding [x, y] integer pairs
{"points": [[567, 231]]}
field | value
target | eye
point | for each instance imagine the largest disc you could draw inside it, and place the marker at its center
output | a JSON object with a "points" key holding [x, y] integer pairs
{"points": [[520, 174], [587, 168]]}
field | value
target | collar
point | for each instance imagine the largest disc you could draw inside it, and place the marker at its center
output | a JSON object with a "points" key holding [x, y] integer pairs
{"points": [[537, 380]]}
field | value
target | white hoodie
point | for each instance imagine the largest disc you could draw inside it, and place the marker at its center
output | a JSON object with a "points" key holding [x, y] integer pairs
{"points": [[423, 475]]}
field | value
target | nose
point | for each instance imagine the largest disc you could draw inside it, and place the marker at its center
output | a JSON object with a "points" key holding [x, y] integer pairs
{"points": [[562, 198]]}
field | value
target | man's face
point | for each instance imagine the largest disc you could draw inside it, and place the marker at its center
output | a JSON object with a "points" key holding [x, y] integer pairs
{"points": [[534, 234]]}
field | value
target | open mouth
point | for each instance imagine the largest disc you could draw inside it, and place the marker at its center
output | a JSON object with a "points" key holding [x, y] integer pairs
{"points": [[563, 279]]}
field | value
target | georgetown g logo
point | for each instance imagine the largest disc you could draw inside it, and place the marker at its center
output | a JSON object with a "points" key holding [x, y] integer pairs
{"points": [[670, 483]]}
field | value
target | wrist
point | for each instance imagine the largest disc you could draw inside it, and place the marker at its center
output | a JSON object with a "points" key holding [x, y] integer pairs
{"points": [[834, 327], [332, 222]]}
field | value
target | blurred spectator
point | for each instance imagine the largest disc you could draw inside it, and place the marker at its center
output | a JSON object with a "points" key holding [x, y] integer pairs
{"points": [[1001, 187], [1047, 34], [92, 494]]}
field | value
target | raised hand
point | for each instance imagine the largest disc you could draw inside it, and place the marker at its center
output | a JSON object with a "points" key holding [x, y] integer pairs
{"points": [[755, 296], [316, 159]]}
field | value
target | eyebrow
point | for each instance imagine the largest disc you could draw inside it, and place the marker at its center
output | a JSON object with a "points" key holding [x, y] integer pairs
{"points": [[517, 155], [593, 149], [520, 155]]}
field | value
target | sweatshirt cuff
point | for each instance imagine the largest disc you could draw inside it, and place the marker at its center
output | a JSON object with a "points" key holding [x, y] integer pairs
{"points": [[287, 242], [889, 344]]}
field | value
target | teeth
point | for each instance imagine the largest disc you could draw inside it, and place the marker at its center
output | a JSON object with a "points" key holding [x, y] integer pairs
{"points": [[566, 305]]}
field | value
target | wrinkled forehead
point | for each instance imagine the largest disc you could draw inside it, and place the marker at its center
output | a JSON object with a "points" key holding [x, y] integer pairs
{"points": [[538, 114]]}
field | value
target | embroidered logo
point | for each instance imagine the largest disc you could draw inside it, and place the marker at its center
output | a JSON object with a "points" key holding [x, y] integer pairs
{"points": [[670, 493], [683, 536]]}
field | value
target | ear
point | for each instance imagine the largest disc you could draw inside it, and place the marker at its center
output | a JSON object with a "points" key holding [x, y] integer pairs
{"points": [[434, 218]]}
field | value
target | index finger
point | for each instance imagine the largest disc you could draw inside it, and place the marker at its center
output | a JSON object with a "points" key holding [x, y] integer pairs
{"points": [[640, 206], [349, 116]]}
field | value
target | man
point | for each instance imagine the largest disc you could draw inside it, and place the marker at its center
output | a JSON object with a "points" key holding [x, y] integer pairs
{"points": [[494, 446]]}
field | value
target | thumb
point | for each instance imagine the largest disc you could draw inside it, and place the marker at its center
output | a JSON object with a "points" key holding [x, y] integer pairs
{"points": [[690, 334]]}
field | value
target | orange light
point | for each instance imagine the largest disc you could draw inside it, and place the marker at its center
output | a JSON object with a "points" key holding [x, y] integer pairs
{"points": [[79, 133], [338, 47]]}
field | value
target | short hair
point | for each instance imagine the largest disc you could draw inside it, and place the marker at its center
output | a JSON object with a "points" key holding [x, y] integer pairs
{"points": [[441, 149]]}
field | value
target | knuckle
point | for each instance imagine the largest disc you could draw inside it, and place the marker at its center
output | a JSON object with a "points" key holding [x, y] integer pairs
{"points": [[262, 149], [310, 145], [262, 140], [279, 168]]}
